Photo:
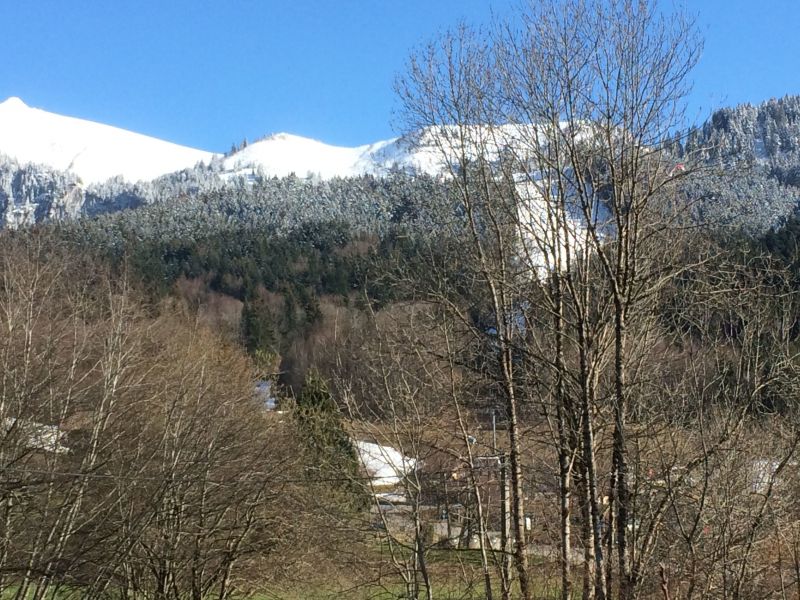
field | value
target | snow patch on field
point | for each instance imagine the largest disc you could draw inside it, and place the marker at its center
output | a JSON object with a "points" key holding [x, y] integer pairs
{"points": [[384, 465]]}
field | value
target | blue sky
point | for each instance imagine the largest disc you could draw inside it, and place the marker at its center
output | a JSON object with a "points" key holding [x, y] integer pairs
{"points": [[209, 73]]}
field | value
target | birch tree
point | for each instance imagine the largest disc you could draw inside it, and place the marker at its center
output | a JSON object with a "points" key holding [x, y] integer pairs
{"points": [[551, 129]]}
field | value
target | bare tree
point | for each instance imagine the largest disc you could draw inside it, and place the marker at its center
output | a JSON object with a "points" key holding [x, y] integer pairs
{"points": [[68, 359], [552, 128], [134, 457]]}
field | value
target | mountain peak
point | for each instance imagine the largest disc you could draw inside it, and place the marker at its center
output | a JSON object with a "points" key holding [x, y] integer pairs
{"points": [[284, 136], [13, 102], [93, 151]]}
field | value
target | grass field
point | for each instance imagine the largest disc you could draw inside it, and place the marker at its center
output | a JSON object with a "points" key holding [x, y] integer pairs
{"points": [[454, 575]]}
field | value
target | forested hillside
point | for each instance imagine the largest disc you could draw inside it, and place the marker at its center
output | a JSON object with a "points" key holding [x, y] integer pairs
{"points": [[567, 368], [753, 156]]}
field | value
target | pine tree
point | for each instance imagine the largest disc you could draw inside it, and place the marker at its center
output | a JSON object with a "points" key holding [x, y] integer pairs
{"points": [[258, 331], [325, 437]]}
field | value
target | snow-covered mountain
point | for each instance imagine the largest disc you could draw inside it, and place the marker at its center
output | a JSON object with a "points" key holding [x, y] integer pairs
{"points": [[92, 151], [282, 154], [54, 167], [96, 152]]}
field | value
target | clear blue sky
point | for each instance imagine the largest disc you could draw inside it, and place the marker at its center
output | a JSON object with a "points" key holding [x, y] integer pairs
{"points": [[209, 73]]}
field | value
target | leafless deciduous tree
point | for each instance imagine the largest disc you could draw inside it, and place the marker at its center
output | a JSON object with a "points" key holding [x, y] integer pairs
{"points": [[551, 128], [134, 457]]}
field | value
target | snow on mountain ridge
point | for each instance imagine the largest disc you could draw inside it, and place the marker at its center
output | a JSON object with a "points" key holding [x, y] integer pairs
{"points": [[14, 101], [93, 151], [282, 154], [97, 152]]}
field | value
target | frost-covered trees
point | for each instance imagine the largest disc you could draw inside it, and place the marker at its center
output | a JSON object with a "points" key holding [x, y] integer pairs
{"points": [[754, 151], [754, 154]]}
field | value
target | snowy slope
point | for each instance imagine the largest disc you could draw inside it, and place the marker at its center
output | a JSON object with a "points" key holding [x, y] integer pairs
{"points": [[97, 152], [428, 151], [93, 151], [282, 154]]}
